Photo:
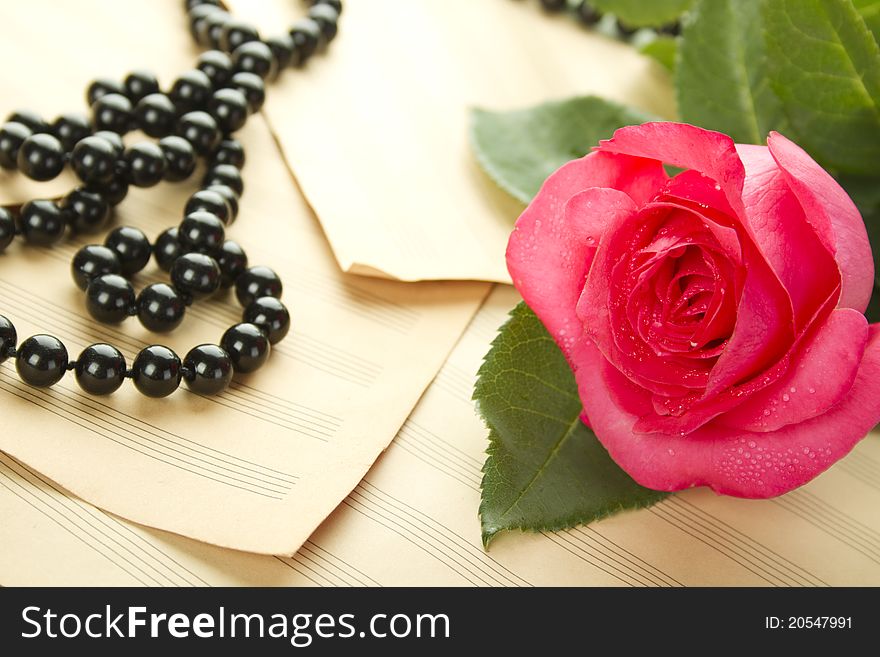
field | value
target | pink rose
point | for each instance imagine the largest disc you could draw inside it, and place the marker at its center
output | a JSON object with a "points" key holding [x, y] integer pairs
{"points": [[713, 320]]}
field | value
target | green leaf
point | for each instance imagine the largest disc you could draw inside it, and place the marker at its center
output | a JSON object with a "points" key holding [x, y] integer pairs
{"points": [[520, 149], [639, 13], [662, 49], [545, 469], [721, 78], [825, 68], [870, 11]]}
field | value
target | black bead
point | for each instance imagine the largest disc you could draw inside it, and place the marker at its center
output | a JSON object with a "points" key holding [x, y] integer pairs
{"points": [[167, 249], [113, 112], [100, 369], [224, 174], [93, 160], [180, 158], [336, 4], [138, 84], [282, 49], [588, 14], [8, 338], [208, 201], [146, 164], [33, 121], [235, 33], [271, 316], [257, 282], [7, 228], [199, 129], [113, 139], [195, 275], [230, 151], [229, 108], [41, 157], [114, 192], [231, 197], [70, 128], [87, 211], [217, 66], [42, 223], [255, 57], [207, 369], [92, 261], [201, 232], [192, 4], [554, 5], [197, 16], [102, 87], [160, 308], [109, 298], [672, 29], [156, 115], [211, 28], [247, 346], [41, 361], [327, 19], [156, 371], [12, 136], [251, 85], [190, 91], [132, 248], [233, 261], [306, 35], [626, 30]]}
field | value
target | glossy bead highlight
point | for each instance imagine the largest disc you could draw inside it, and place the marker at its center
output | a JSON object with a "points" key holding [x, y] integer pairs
{"points": [[156, 371], [247, 346], [207, 369], [109, 298], [41, 361], [100, 369], [160, 308]]}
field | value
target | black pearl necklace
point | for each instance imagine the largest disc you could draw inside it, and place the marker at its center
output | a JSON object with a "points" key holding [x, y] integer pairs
{"points": [[193, 119], [589, 15]]}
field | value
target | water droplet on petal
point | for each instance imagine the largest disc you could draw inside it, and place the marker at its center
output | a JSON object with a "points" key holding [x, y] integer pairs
{"points": [[785, 397], [671, 452]]}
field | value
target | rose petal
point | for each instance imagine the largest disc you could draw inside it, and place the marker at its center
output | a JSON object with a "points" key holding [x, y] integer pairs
{"points": [[826, 366], [834, 217], [723, 458], [784, 236], [764, 326], [710, 153], [549, 254]]}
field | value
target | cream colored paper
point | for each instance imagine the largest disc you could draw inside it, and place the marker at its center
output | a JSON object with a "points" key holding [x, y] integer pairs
{"points": [[259, 467], [413, 521], [377, 133]]}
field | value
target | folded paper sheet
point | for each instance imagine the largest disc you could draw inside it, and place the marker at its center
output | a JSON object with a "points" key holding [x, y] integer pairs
{"points": [[419, 504], [378, 136], [259, 467]]}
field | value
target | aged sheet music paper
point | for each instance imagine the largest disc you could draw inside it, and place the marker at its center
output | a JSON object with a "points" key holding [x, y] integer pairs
{"points": [[259, 467], [413, 521], [385, 117]]}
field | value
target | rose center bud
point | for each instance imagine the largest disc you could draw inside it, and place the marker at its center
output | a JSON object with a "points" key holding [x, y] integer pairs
{"points": [[673, 299]]}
